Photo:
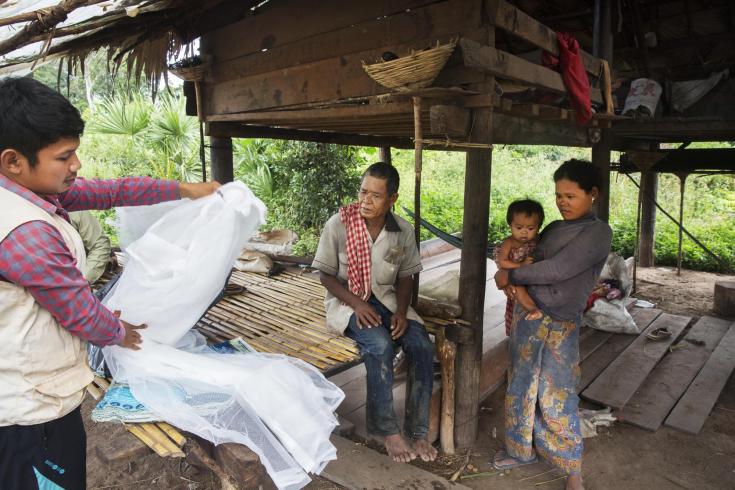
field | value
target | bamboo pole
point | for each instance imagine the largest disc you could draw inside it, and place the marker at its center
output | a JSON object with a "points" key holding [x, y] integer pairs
{"points": [[418, 164]]}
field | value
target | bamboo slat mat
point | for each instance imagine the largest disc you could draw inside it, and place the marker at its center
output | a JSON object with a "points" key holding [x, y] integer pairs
{"points": [[282, 314]]}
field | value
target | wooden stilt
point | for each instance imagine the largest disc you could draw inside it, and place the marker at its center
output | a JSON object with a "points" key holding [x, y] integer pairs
{"points": [[473, 272], [648, 191], [221, 158], [682, 184], [384, 155], [447, 353]]}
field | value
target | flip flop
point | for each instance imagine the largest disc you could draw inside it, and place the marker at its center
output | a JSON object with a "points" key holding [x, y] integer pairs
{"points": [[659, 334], [501, 455]]}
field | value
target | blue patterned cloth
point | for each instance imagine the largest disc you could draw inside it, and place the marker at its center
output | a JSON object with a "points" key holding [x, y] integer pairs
{"points": [[541, 403]]}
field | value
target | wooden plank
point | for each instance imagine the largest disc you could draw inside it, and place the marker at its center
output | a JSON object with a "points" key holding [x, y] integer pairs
{"points": [[591, 342], [515, 21], [359, 467], [286, 22], [620, 380], [505, 65], [605, 354], [342, 113], [694, 407], [121, 448], [521, 131], [670, 378], [237, 130], [330, 79], [453, 18]]}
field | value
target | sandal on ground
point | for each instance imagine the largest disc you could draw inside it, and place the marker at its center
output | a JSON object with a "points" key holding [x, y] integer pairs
{"points": [[659, 334], [501, 455]]}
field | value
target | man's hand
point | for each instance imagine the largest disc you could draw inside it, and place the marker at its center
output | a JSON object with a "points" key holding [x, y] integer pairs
{"points": [[365, 315], [132, 338], [197, 190], [398, 325], [528, 261]]}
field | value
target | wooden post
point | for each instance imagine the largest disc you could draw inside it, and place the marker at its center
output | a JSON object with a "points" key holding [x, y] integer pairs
{"points": [[220, 153], [603, 48], [473, 272], [447, 352], [682, 184], [384, 155], [648, 190]]}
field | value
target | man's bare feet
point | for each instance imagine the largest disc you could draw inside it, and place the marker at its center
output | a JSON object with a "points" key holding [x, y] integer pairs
{"points": [[399, 449], [534, 315], [574, 482], [425, 450]]}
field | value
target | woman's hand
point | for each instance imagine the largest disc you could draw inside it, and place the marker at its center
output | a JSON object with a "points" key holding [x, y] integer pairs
{"points": [[197, 190]]}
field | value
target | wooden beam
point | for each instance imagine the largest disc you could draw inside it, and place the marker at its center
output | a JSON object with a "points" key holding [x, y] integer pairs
{"points": [[221, 159], [676, 130], [505, 65], [345, 113], [511, 19], [449, 120], [473, 269], [689, 160], [237, 130]]}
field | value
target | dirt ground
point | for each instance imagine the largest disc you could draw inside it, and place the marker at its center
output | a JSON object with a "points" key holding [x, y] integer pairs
{"points": [[620, 457]]}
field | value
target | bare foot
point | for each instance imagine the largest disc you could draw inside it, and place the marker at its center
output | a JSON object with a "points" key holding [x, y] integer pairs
{"points": [[574, 482], [399, 449], [426, 451], [534, 315]]}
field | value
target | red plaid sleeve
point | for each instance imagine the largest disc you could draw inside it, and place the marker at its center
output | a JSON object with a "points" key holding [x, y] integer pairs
{"points": [[34, 256], [129, 191]]}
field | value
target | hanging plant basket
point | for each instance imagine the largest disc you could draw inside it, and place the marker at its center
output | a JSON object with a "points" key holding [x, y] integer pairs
{"points": [[190, 70], [414, 71]]}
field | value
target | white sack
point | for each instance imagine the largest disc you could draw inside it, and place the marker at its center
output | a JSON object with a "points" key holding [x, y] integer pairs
{"points": [[280, 407], [612, 315]]}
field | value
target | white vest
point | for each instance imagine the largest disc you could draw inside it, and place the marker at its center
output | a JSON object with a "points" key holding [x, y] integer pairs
{"points": [[43, 368]]}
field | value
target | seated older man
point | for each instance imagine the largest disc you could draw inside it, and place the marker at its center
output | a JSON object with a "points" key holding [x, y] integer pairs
{"points": [[367, 257]]}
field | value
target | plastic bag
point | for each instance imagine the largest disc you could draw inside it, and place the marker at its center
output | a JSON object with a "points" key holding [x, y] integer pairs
{"points": [[280, 407], [612, 315]]}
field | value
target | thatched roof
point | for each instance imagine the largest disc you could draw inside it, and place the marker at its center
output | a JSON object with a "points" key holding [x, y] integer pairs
{"points": [[145, 34]]}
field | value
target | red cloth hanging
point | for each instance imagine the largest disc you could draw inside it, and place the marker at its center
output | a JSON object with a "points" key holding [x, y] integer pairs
{"points": [[569, 64]]}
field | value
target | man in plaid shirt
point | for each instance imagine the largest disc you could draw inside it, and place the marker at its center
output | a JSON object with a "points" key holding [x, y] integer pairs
{"points": [[47, 311]]}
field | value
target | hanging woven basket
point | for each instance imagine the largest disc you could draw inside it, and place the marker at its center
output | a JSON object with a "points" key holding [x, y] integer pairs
{"points": [[414, 71], [190, 70]]}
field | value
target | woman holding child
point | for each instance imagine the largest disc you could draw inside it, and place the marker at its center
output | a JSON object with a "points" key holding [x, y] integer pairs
{"points": [[541, 403]]}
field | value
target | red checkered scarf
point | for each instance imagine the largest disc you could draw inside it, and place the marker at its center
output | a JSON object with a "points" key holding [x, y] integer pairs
{"points": [[358, 250]]}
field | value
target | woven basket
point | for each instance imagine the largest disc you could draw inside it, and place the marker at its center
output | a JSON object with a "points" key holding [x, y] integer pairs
{"points": [[414, 71], [191, 73]]}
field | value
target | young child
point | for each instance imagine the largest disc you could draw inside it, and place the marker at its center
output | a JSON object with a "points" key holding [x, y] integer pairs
{"points": [[525, 218], [47, 310]]}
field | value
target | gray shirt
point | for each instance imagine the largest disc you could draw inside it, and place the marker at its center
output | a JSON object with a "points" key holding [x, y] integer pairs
{"points": [[567, 263], [393, 254]]}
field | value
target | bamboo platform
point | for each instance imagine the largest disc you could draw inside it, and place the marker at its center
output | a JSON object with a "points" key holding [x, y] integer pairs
{"points": [[280, 315]]}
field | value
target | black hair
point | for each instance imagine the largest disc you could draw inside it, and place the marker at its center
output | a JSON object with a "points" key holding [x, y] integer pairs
{"points": [[583, 173], [387, 172], [529, 207], [33, 116]]}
